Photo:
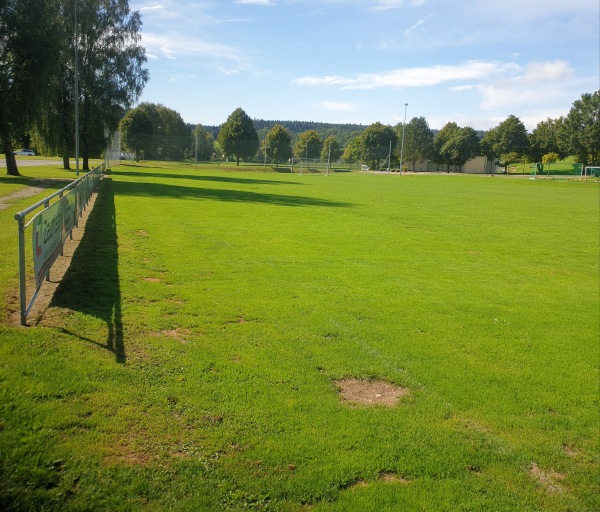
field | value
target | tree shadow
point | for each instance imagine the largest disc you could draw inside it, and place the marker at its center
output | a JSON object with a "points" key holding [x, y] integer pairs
{"points": [[236, 196], [219, 179], [91, 284]]}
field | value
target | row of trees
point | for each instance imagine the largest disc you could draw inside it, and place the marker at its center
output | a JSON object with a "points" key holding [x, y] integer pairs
{"points": [[38, 71], [577, 134], [152, 131], [238, 137]]}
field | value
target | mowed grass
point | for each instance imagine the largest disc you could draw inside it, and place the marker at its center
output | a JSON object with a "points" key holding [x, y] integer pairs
{"points": [[188, 360]]}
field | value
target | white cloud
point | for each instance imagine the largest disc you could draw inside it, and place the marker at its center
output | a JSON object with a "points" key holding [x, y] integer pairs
{"points": [[460, 88], [416, 25], [411, 77], [151, 8], [533, 9], [255, 2], [557, 70], [336, 106], [535, 116], [386, 5], [540, 82], [226, 58]]}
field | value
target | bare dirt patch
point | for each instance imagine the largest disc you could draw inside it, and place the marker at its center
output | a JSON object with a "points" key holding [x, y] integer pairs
{"points": [[181, 335], [32, 190], [547, 479], [21, 194], [376, 392], [392, 478], [386, 478]]}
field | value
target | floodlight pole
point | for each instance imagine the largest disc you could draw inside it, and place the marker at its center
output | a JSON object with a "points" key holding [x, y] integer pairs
{"points": [[196, 155], [329, 160], [390, 158], [76, 91], [158, 145], [402, 145], [307, 164]]}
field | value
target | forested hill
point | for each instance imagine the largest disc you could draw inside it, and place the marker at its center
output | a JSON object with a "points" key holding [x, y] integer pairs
{"points": [[343, 133]]}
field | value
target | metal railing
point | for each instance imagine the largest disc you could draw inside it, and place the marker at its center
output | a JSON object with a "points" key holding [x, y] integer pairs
{"points": [[51, 227]]}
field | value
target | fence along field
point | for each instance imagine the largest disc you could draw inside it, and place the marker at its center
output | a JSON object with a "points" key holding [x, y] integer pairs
{"points": [[55, 218], [201, 366]]}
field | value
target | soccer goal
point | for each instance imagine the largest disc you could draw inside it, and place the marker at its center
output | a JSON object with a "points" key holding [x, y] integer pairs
{"points": [[559, 170], [311, 166], [591, 171]]}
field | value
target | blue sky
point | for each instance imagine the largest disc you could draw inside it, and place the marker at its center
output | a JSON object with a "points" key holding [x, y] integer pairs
{"points": [[473, 62]]}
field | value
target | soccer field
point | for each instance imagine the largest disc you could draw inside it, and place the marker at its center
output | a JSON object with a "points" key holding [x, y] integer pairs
{"points": [[193, 356]]}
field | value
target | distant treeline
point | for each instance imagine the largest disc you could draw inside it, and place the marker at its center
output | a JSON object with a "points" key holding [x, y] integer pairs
{"points": [[343, 133]]}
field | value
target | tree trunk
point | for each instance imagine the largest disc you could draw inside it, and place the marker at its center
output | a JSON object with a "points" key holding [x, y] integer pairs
{"points": [[11, 161], [66, 133]]}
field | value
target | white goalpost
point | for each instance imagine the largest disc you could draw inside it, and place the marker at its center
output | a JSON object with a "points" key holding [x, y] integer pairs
{"points": [[591, 170], [558, 170], [311, 166]]}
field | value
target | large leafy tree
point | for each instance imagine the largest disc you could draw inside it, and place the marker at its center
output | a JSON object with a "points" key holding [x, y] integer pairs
{"points": [[456, 146], [204, 143], [543, 139], [579, 133], [443, 136], [418, 140], [137, 130], [308, 145], [112, 76], [55, 124], [508, 159], [175, 136], [462, 146], [376, 142], [157, 131], [278, 144], [510, 136], [238, 136], [352, 151], [331, 151], [28, 42]]}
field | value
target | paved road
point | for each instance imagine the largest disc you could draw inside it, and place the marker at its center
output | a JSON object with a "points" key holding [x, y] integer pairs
{"points": [[26, 162]]}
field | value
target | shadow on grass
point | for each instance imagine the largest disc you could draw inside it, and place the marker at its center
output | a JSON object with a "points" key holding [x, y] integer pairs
{"points": [[221, 179], [236, 196], [91, 284]]}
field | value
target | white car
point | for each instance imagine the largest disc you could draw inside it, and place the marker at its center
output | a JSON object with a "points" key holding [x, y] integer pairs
{"points": [[25, 152]]}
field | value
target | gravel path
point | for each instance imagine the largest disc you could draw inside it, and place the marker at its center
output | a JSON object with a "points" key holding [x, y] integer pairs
{"points": [[6, 201]]}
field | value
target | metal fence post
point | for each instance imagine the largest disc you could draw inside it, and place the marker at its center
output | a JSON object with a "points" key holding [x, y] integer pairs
{"points": [[22, 281]]}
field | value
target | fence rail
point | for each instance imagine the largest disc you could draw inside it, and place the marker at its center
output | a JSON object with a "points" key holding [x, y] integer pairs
{"points": [[51, 226]]}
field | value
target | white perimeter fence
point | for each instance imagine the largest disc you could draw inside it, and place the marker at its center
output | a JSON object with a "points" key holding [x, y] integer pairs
{"points": [[51, 226]]}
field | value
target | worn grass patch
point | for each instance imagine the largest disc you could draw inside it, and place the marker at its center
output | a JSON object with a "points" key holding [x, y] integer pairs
{"points": [[370, 392]]}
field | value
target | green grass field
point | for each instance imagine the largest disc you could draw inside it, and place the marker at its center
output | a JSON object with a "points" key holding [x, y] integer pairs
{"points": [[189, 358]]}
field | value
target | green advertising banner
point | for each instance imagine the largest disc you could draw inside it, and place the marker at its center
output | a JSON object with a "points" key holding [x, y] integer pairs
{"points": [[69, 212], [47, 237]]}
